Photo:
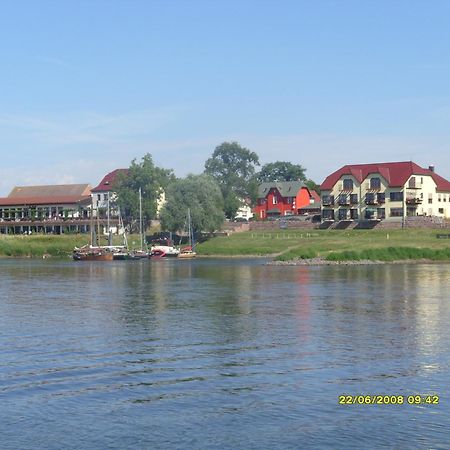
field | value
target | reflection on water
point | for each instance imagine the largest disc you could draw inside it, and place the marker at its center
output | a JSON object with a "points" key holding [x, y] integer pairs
{"points": [[220, 354]]}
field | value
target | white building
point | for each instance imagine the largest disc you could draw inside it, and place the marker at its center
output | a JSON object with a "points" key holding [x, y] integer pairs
{"points": [[383, 190]]}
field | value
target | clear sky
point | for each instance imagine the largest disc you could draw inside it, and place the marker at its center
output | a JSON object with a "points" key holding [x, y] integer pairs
{"points": [[86, 86]]}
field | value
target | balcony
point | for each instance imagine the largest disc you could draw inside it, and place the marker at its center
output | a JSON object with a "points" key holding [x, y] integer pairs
{"points": [[413, 201]]}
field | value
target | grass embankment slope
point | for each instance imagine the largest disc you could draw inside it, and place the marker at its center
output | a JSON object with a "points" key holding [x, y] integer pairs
{"points": [[333, 245], [38, 245]]}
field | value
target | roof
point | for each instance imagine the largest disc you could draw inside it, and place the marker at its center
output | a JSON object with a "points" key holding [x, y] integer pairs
{"points": [[43, 200], [108, 180], [314, 195], [395, 173], [285, 188], [315, 205], [57, 190]]}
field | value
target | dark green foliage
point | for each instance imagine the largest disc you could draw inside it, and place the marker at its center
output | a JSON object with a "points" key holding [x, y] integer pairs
{"points": [[199, 193], [233, 168], [281, 171], [151, 179], [312, 186]]}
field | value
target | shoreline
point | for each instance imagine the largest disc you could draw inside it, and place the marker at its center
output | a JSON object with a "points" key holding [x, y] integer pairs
{"points": [[362, 262]]}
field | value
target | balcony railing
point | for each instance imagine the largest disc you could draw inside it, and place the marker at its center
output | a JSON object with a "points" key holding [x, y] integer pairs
{"points": [[413, 201]]}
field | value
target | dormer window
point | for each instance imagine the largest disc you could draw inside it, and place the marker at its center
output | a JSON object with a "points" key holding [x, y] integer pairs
{"points": [[348, 184], [375, 183]]}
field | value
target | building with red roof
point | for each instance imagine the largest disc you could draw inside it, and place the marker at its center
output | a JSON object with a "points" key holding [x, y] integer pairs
{"points": [[103, 195], [383, 190]]}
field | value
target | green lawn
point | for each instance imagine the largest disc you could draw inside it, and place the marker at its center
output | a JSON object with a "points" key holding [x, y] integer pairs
{"points": [[288, 245], [38, 245], [283, 244]]}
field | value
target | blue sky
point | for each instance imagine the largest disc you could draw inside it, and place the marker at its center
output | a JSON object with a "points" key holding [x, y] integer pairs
{"points": [[86, 86]]}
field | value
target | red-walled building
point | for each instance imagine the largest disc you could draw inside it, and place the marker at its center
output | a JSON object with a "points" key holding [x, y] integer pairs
{"points": [[281, 198]]}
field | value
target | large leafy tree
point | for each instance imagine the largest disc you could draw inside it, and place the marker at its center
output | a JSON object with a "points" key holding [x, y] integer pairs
{"points": [[199, 193], [281, 171], [152, 180], [233, 167]]}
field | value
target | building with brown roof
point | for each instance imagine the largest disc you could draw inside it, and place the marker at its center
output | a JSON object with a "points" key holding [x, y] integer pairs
{"points": [[44, 205], [384, 190]]}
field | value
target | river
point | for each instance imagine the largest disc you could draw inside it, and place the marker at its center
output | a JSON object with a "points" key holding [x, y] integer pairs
{"points": [[221, 354]]}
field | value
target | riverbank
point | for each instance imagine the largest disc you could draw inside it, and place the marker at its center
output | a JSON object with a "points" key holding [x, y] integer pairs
{"points": [[284, 245], [333, 245]]}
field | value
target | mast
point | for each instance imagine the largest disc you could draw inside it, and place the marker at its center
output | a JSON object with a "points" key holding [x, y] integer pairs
{"points": [[140, 218], [108, 223], [191, 234]]}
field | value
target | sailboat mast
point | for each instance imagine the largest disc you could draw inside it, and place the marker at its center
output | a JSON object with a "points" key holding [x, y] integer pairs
{"points": [[140, 218], [191, 237]]}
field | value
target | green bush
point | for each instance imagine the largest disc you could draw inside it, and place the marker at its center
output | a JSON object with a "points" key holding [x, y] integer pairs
{"points": [[391, 254]]}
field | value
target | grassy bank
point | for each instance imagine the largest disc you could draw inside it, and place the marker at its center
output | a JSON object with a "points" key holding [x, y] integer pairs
{"points": [[341, 245], [284, 245], [36, 246]]}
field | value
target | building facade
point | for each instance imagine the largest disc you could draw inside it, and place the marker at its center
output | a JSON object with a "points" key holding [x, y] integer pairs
{"points": [[46, 208], [282, 198], [384, 190]]}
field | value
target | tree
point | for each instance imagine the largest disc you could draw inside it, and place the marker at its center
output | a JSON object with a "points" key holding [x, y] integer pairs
{"points": [[233, 167], [281, 171], [313, 186], [202, 195], [150, 179]]}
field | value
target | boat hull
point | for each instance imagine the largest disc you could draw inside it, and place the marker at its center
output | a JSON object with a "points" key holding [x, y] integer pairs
{"points": [[80, 256]]}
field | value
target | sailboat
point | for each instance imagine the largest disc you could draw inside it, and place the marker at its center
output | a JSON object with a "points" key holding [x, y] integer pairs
{"points": [[188, 252], [140, 253], [91, 252]]}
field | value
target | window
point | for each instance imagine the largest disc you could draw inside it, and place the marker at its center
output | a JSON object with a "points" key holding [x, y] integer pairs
{"points": [[328, 214], [370, 198], [396, 212], [348, 184], [99, 197], [105, 197], [412, 182], [274, 200], [289, 200], [430, 198], [328, 199], [353, 199], [441, 210], [396, 197], [343, 214], [375, 183], [343, 199], [381, 213], [381, 197]]}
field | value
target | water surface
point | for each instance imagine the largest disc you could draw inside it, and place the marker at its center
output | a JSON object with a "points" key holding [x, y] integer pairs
{"points": [[220, 354]]}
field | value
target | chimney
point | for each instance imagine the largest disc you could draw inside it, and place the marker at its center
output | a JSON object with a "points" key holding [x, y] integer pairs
{"points": [[431, 168]]}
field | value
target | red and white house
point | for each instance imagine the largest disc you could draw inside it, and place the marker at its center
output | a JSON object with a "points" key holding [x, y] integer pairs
{"points": [[282, 198]]}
